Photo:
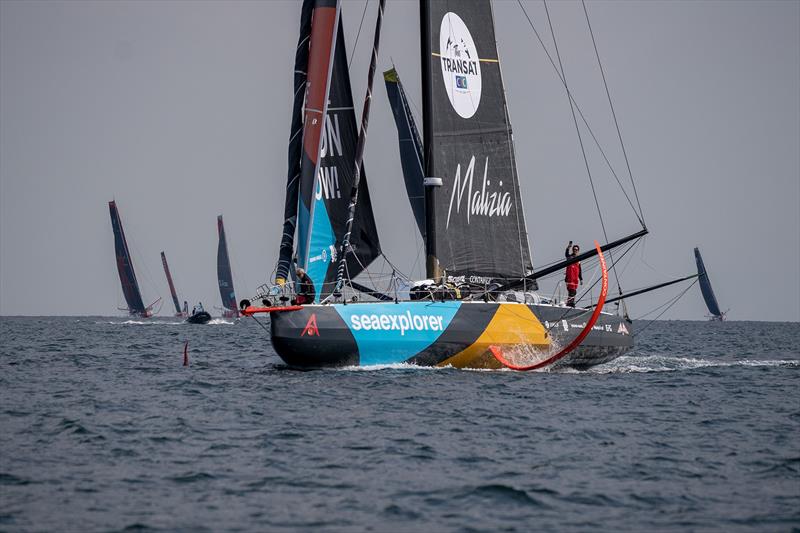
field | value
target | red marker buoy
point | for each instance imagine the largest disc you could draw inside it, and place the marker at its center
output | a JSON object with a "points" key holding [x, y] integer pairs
{"points": [[186, 353]]}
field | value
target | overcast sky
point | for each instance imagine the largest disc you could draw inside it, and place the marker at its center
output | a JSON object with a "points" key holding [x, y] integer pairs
{"points": [[180, 111]]}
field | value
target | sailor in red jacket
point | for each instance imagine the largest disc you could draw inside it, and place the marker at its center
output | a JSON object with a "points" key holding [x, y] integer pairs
{"points": [[574, 274]]}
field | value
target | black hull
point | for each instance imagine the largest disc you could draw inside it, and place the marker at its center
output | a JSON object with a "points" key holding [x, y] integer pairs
{"points": [[457, 334]]}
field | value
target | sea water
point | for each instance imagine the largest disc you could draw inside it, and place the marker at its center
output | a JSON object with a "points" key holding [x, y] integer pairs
{"points": [[102, 428]]}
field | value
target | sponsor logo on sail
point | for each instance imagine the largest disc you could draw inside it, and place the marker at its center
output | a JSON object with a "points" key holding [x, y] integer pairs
{"points": [[328, 173], [461, 67], [311, 327], [402, 323], [489, 200]]}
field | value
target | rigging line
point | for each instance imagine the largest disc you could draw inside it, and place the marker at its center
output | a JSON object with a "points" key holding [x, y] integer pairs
{"points": [[353, 54], [580, 139], [613, 112], [580, 113], [674, 301]]}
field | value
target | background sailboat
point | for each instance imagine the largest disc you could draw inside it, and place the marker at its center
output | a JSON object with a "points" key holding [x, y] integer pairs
{"points": [[127, 275], [224, 274], [705, 287], [178, 311]]}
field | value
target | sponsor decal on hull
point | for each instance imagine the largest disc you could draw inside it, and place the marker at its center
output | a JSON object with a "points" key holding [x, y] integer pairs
{"points": [[393, 333], [311, 327]]}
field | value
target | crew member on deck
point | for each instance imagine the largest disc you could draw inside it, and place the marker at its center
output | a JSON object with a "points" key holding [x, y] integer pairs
{"points": [[200, 307], [573, 275], [305, 288], [186, 307]]}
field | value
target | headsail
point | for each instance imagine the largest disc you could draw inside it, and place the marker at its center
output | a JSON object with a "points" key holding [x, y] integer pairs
{"points": [[480, 226], [130, 286], [327, 165], [705, 287], [172, 290], [295, 145], [410, 147], [224, 275]]}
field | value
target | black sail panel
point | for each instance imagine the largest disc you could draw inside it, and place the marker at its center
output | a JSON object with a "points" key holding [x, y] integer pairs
{"points": [[705, 286], [410, 147], [224, 274], [127, 277], [295, 144], [480, 225]]}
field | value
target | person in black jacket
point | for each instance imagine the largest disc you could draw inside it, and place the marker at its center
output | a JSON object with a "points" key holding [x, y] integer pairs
{"points": [[305, 288]]}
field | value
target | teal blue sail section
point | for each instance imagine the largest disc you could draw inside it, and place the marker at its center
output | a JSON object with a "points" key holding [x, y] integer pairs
{"points": [[322, 248], [393, 333]]}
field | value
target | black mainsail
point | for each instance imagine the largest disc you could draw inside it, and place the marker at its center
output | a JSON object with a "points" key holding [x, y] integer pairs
{"points": [[327, 165], [224, 274], [479, 224], [127, 276], [705, 287], [410, 146]]}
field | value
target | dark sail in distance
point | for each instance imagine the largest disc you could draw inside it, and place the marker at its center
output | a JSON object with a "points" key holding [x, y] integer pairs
{"points": [[480, 226], [410, 147], [224, 275], [705, 286], [130, 286], [327, 168]]}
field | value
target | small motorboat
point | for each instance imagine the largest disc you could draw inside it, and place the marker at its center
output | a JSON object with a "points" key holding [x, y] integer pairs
{"points": [[199, 317]]}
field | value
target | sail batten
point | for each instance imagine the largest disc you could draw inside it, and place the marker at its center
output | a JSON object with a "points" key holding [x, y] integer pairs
{"points": [[480, 230]]}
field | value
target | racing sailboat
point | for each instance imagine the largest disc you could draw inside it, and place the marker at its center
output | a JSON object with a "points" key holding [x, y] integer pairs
{"points": [[479, 301], [705, 287], [127, 275], [180, 313], [224, 274]]}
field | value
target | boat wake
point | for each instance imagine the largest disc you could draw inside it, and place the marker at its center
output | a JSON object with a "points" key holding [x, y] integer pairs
{"points": [[220, 321], [664, 363]]}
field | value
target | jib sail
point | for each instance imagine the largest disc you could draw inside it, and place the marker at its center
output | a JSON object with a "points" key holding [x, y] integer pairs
{"points": [[410, 147], [130, 286], [224, 275], [705, 286], [479, 221], [327, 164], [172, 290]]}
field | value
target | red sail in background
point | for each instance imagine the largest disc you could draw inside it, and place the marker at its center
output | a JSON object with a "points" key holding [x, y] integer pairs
{"points": [[172, 290]]}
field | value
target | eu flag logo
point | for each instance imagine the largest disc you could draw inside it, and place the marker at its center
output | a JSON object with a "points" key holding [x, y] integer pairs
{"points": [[461, 82]]}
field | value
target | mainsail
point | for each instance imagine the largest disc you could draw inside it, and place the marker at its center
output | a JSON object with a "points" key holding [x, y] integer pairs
{"points": [[130, 286], [410, 146], [224, 275], [172, 290], [480, 229], [327, 163], [705, 287]]}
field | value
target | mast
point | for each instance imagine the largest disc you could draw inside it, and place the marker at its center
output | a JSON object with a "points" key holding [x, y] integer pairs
{"points": [[431, 259], [172, 290], [362, 139]]}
